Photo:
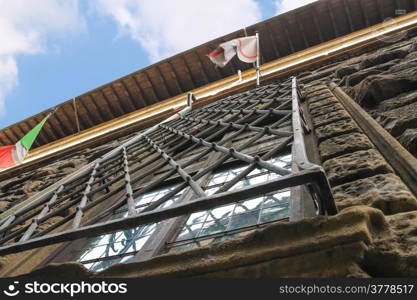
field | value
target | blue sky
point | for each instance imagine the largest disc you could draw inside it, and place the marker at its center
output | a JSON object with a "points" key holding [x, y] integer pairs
{"points": [[53, 50]]}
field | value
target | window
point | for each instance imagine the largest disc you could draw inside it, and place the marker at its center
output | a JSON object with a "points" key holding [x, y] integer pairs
{"points": [[223, 222], [100, 252]]}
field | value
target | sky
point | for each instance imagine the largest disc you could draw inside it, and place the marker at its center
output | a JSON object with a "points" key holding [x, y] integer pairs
{"points": [[54, 50]]}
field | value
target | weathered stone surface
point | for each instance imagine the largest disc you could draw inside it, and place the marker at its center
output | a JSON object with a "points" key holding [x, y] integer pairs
{"points": [[309, 90], [385, 192], [401, 100], [33, 186], [330, 118], [357, 77], [374, 89], [396, 121], [324, 102], [356, 165], [404, 65], [343, 144], [382, 57], [323, 96], [409, 140], [324, 110], [335, 129], [394, 254], [4, 205], [343, 71]]}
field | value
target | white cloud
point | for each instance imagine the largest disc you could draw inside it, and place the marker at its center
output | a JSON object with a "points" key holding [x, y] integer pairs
{"points": [[287, 5], [25, 26], [166, 27]]}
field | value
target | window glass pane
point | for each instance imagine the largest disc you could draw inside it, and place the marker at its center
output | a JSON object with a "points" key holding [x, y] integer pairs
{"points": [[279, 198], [127, 241], [198, 217], [244, 220], [265, 208], [248, 205], [189, 231], [220, 212], [274, 213], [214, 227]]}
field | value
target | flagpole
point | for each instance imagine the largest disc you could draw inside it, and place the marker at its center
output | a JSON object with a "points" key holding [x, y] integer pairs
{"points": [[258, 73]]}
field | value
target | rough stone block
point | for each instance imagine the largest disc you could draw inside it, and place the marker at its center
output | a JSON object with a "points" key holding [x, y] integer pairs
{"points": [[343, 144], [330, 118], [385, 192], [396, 121], [322, 96], [324, 110], [396, 102], [323, 102], [356, 165], [335, 129], [409, 140], [382, 57], [344, 70], [309, 91], [374, 89]]}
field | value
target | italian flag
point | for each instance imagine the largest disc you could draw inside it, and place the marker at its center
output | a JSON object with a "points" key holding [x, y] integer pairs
{"points": [[13, 155]]}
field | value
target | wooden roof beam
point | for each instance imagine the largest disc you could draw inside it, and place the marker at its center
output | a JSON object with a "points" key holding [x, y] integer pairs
{"points": [[116, 110], [349, 16], [316, 24], [57, 126], [104, 115], [164, 81], [154, 92], [287, 35], [84, 107], [272, 39], [123, 104], [301, 28], [188, 71], [334, 25], [118, 103], [70, 119], [364, 16], [203, 71], [380, 10], [13, 139], [106, 108], [141, 92], [177, 82], [4, 140], [63, 126]]}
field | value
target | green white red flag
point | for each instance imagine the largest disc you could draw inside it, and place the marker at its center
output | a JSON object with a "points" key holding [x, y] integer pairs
{"points": [[13, 155]]}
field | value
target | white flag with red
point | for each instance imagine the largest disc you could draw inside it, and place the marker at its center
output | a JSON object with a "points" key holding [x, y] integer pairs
{"points": [[246, 49]]}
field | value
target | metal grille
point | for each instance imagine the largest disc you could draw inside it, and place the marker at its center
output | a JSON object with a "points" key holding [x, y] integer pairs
{"points": [[82, 204]]}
